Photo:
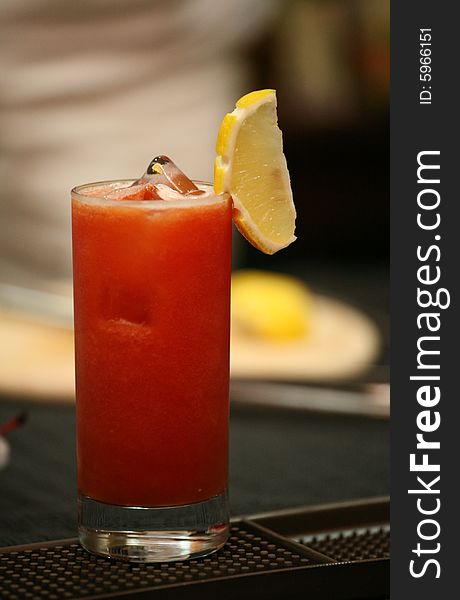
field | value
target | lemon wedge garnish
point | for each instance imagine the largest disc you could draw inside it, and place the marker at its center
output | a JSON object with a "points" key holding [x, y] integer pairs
{"points": [[251, 167], [269, 305]]}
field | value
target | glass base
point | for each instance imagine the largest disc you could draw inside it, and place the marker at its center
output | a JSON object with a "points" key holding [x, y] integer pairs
{"points": [[140, 534]]}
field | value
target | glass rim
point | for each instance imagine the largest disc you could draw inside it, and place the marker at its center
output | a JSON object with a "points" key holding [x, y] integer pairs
{"points": [[191, 202]]}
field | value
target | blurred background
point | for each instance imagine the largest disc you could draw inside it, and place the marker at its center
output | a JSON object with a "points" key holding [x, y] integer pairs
{"points": [[93, 90]]}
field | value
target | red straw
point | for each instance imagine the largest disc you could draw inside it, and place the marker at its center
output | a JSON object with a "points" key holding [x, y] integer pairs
{"points": [[17, 421]]}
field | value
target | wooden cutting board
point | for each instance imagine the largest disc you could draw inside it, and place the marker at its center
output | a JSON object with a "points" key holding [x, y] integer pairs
{"points": [[37, 361], [341, 344]]}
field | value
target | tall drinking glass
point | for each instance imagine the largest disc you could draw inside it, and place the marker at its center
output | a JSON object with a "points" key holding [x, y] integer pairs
{"points": [[152, 322]]}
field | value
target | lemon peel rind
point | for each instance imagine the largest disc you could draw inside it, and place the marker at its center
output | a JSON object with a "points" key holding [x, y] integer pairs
{"points": [[242, 221]]}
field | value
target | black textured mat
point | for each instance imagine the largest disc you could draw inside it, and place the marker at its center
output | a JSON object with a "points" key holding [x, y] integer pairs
{"points": [[65, 570], [338, 564], [352, 544]]}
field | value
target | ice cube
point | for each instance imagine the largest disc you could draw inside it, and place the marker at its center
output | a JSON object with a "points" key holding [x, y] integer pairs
{"points": [[163, 170], [142, 191]]}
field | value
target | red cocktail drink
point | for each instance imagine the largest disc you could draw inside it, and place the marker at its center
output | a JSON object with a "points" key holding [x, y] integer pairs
{"points": [[152, 312]]}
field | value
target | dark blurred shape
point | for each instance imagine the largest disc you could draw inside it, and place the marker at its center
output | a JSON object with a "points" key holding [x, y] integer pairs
{"points": [[329, 61]]}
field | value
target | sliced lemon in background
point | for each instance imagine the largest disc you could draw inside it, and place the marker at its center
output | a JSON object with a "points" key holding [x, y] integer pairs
{"points": [[251, 167], [269, 305]]}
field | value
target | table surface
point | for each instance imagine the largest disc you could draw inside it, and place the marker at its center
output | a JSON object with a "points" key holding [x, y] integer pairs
{"points": [[278, 459]]}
